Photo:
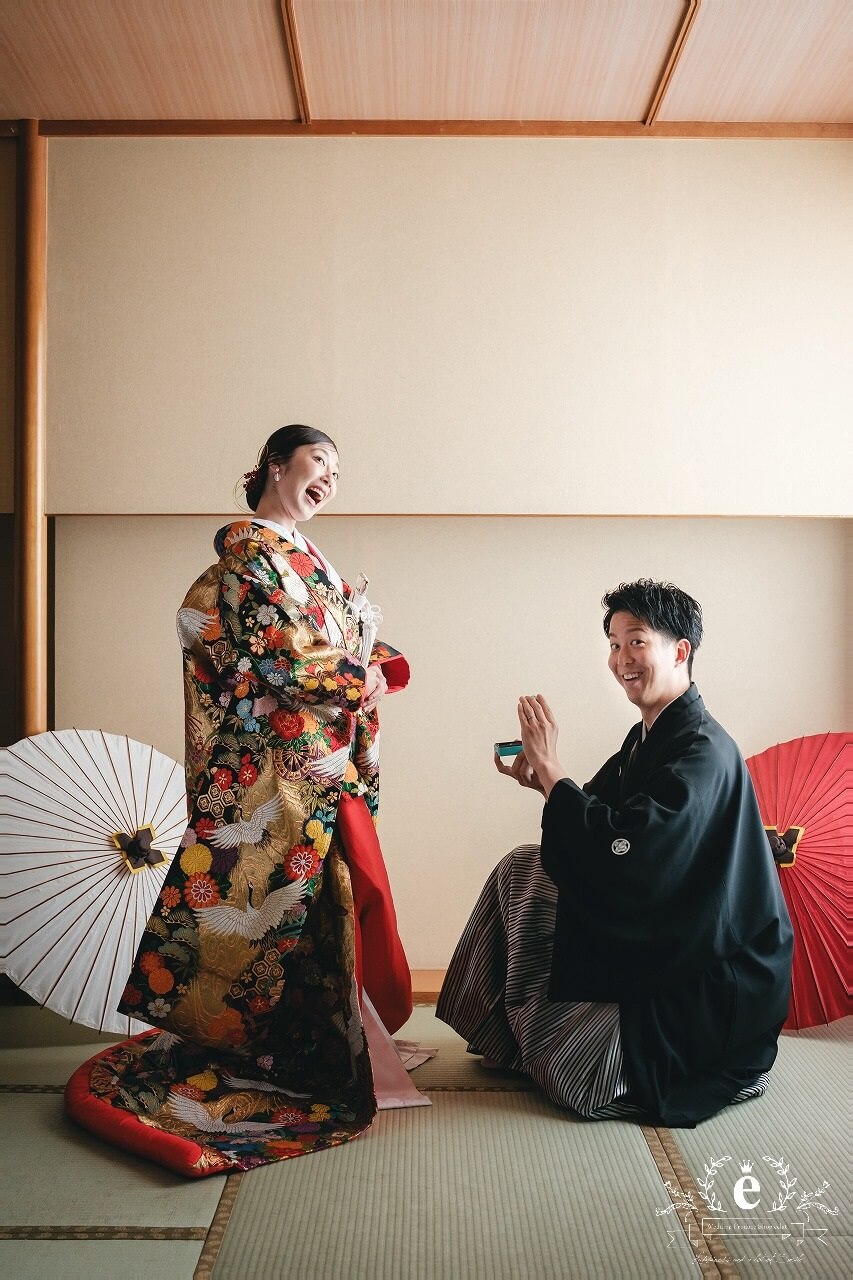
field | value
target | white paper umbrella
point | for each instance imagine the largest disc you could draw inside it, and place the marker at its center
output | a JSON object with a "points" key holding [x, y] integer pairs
{"points": [[89, 822]]}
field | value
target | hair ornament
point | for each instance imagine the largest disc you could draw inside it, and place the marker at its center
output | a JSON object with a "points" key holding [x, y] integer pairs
{"points": [[249, 478]]}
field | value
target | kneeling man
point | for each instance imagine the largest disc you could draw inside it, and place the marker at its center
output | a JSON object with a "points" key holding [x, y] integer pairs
{"points": [[639, 961]]}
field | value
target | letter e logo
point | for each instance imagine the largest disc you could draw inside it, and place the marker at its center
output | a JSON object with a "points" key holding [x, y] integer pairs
{"points": [[743, 1187]]}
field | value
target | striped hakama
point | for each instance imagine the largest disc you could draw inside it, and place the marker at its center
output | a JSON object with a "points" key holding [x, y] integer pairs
{"points": [[495, 995]]}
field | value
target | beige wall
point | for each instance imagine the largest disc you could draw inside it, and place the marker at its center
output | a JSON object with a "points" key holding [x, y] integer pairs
{"points": [[547, 327], [519, 325], [485, 609]]}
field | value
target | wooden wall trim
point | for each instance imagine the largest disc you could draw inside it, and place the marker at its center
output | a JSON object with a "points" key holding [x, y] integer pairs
{"points": [[232, 516], [31, 573], [443, 129]]}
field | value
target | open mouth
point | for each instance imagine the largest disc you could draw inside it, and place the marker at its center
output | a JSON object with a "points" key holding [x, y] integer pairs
{"points": [[315, 494], [631, 677]]}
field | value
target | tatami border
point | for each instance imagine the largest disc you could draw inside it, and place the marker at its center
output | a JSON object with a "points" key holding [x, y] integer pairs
{"points": [[712, 1257], [481, 1088], [215, 1233], [102, 1233], [32, 1088]]}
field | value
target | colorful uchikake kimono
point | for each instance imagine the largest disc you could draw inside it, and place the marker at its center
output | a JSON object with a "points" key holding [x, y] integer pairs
{"points": [[253, 954]]}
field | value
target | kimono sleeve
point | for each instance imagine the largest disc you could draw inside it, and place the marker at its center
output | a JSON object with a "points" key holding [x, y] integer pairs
{"points": [[267, 640], [636, 861], [394, 666]]}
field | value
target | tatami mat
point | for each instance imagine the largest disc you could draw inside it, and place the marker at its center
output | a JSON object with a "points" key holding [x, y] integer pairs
{"points": [[63, 1185], [453, 1067], [22, 1025], [99, 1260], [803, 1122], [480, 1185], [36, 1066], [65, 1176], [489, 1183]]}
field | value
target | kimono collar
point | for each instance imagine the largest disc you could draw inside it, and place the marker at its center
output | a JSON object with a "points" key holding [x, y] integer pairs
{"points": [[233, 535], [640, 750], [686, 707], [232, 540], [289, 535], [331, 597], [301, 543], [241, 531]]}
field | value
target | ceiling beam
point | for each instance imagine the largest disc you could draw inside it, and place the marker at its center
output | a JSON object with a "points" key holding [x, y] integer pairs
{"points": [[294, 53], [687, 20]]}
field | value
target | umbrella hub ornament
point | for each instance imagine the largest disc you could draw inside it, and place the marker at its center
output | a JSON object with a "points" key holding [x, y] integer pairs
{"points": [[784, 845], [138, 850]]}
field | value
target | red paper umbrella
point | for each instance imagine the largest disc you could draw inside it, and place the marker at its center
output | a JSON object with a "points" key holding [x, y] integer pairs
{"points": [[804, 794]]}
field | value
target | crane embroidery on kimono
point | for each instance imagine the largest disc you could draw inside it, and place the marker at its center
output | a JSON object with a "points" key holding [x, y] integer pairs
{"points": [[196, 1114], [263, 1086], [367, 757], [190, 624], [329, 768], [247, 830], [254, 922]]}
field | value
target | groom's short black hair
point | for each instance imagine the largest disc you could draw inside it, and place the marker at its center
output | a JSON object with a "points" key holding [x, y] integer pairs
{"points": [[665, 607]]}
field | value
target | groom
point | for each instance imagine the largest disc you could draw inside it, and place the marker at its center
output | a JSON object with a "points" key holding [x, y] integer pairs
{"points": [[668, 900]]}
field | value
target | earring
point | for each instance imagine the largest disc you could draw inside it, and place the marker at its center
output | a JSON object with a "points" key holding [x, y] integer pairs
{"points": [[276, 475]]}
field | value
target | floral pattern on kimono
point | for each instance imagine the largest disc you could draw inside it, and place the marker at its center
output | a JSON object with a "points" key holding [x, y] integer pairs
{"points": [[247, 958]]}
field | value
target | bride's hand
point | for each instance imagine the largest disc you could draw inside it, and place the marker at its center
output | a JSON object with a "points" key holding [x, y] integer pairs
{"points": [[375, 687]]}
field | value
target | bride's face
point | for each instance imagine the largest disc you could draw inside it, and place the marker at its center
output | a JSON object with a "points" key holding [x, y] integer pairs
{"points": [[308, 481]]}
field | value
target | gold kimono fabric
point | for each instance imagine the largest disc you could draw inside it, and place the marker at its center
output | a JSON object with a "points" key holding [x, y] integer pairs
{"points": [[248, 955]]}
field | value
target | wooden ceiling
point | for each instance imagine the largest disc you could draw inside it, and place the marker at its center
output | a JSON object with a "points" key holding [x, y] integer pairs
{"points": [[413, 66]]}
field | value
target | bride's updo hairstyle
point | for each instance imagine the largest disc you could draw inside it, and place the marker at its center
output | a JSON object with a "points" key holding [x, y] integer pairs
{"points": [[279, 449]]}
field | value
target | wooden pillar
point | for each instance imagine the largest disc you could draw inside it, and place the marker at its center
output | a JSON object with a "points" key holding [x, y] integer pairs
{"points": [[31, 581]]}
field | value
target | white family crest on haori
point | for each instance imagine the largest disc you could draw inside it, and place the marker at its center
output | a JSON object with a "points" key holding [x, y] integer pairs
{"points": [[89, 822]]}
